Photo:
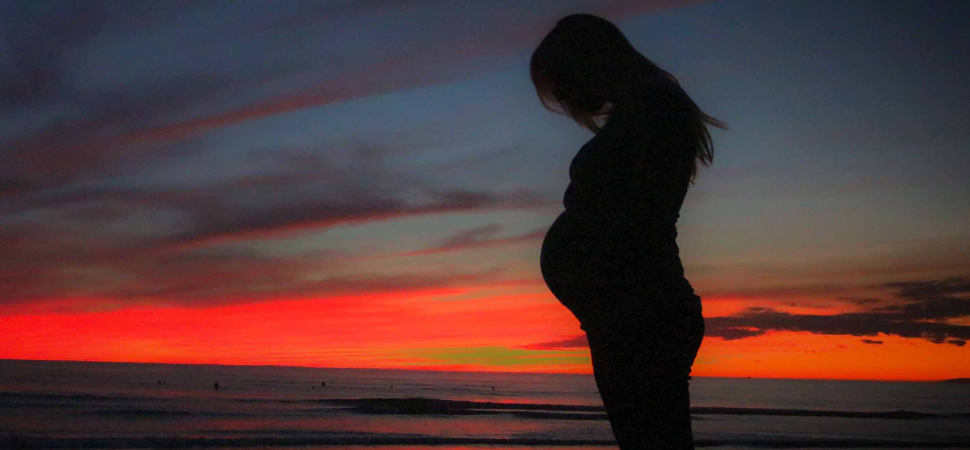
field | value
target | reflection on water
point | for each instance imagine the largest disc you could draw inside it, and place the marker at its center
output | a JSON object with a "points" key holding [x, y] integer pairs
{"points": [[58, 404]]}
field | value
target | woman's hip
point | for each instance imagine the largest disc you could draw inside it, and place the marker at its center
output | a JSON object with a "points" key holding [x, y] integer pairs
{"points": [[661, 346]]}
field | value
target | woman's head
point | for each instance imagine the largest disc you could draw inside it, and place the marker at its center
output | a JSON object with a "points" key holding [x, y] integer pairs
{"points": [[585, 67], [573, 68]]}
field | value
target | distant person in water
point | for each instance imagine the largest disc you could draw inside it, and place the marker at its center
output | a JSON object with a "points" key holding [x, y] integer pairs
{"points": [[612, 258]]}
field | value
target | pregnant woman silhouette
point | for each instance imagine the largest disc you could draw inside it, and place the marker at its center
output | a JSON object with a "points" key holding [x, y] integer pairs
{"points": [[611, 257]]}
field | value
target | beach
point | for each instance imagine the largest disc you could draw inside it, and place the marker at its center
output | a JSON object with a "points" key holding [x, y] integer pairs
{"points": [[119, 405]]}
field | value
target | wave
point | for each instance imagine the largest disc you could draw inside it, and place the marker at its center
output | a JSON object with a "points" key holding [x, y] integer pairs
{"points": [[20, 398], [898, 414], [421, 406], [167, 413], [433, 406], [16, 396], [364, 439], [424, 405]]}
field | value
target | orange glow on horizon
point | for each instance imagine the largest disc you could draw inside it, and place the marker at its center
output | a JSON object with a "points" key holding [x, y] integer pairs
{"points": [[492, 328], [807, 355], [377, 330]]}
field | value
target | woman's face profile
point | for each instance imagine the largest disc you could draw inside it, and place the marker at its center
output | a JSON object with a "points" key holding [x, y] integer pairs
{"points": [[589, 101]]}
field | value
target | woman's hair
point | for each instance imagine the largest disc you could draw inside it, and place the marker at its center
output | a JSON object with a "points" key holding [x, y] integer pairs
{"points": [[585, 68]]}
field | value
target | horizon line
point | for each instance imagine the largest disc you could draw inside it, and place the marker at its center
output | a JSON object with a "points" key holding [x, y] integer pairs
{"points": [[469, 371]]}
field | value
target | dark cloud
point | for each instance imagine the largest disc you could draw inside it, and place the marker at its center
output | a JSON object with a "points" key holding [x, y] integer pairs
{"points": [[565, 344], [119, 128], [957, 342], [927, 305], [222, 279], [861, 301], [35, 39], [249, 223], [131, 244], [114, 125], [309, 191], [854, 324], [731, 332], [930, 300], [807, 305], [754, 290], [14, 187], [870, 341], [110, 187], [472, 236], [119, 274], [922, 290], [479, 237]]}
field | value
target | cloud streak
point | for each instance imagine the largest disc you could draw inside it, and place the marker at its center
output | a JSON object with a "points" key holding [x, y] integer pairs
{"points": [[186, 259], [575, 342], [285, 219], [481, 237], [926, 305], [126, 120], [122, 178]]}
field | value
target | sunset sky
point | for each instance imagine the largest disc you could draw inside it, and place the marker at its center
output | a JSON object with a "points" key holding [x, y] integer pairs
{"points": [[367, 183]]}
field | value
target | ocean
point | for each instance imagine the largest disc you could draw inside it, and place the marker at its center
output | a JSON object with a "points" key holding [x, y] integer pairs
{"points": [[121, 405]]}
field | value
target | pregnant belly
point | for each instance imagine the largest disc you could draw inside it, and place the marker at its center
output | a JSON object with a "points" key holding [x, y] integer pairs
{"points": [[598, 269], [577, 255], [567, 241]]}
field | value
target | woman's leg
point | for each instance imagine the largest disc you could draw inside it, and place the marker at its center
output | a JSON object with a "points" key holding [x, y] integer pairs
{"points": [[642, 374]]}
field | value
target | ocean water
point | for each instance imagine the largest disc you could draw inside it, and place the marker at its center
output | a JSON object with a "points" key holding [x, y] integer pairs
{"points": [[117, 405]]}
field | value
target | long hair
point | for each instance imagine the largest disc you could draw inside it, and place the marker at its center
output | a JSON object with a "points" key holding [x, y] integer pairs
{"points": [[585, 68]]}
